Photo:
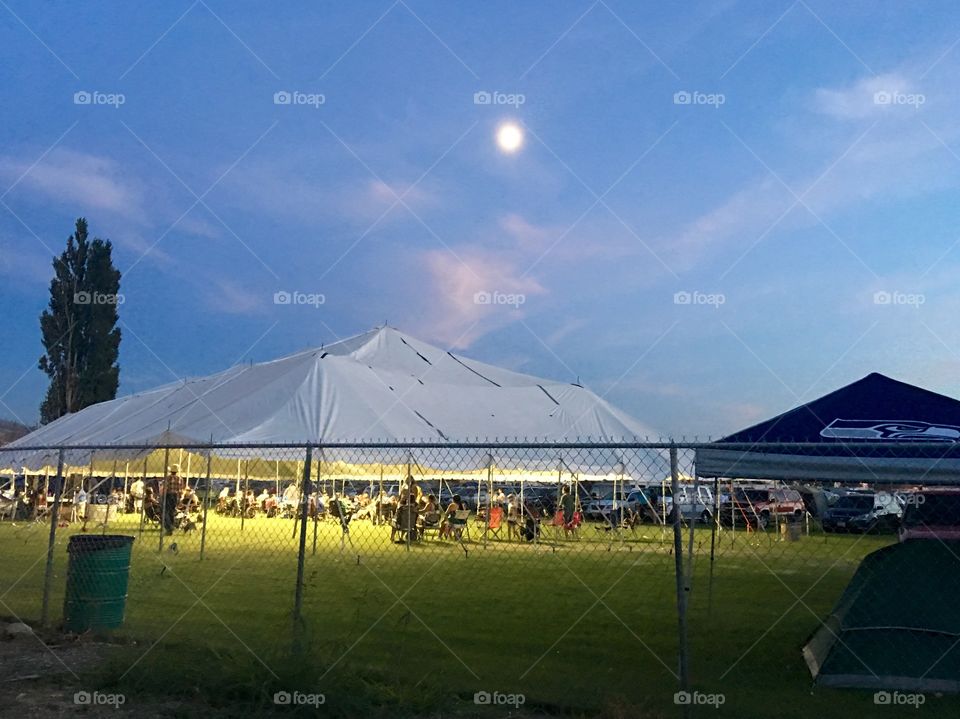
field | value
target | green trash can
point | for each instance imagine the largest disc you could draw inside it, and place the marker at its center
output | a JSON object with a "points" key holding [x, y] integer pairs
{"points": [[97, 574]]}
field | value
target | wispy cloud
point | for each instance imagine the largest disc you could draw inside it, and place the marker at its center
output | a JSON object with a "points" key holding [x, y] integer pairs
{"points": [[891, 144], [78, 179], [472, 293]]}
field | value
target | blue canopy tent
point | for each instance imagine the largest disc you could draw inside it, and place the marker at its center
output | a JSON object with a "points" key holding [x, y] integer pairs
{"points": [[876, 429]]}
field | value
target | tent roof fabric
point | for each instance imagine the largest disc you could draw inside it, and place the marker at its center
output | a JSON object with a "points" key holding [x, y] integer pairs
{"points": [[874, 430], [881, 637], [379, 386]]}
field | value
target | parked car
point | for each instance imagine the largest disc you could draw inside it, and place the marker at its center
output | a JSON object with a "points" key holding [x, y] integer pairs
{"points": [[863, 512], [695, 503], [756, 506], [932, 514], [603, 503]]}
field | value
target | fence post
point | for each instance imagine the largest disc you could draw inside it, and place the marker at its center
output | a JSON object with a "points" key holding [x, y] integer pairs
{"points": [[54, 519], [304, 505], [206, 505], [163, 497], [684, 676]]}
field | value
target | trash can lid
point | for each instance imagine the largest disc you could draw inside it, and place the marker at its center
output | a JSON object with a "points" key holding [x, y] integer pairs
{"points": [[81, 543]]}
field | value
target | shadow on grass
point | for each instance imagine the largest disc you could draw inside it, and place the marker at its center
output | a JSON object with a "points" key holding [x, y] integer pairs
{"points": [[181, 680]]}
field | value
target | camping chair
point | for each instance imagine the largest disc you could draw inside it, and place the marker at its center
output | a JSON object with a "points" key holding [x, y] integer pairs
{"points": [[406, 523], [570, 527], [458, 523], [8, 507], [494, 522], [339, 513], [152, 512], [430, 523]]}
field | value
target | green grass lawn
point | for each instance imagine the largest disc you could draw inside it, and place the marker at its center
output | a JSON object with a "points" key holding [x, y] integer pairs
{"points": [[579, 626]]}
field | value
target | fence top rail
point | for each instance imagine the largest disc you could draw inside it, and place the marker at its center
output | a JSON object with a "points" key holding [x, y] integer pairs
{"points": [[825, 447]]}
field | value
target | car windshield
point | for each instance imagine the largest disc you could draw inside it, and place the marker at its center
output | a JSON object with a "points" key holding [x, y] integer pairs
{"points": [[855, 501], [752, 495], [936, 510]]}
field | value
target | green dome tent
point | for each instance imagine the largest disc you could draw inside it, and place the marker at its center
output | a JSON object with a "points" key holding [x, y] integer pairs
{"points": [[881, 635]]}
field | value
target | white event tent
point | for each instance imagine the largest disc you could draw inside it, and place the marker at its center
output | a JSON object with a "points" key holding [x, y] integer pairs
{"points": [[379, 386]]}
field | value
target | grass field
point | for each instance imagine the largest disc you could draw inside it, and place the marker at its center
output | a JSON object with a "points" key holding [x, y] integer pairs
{"points": [[579, 627]]}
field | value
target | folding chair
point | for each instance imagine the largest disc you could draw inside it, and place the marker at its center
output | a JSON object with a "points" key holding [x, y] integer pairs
{"points": [[336, 511], [431, 523], [406, 523], [494, 522], [570, 527], [459, 523]]}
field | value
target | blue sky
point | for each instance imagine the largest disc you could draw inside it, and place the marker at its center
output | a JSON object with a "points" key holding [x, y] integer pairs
{"points": [[804, 200]]}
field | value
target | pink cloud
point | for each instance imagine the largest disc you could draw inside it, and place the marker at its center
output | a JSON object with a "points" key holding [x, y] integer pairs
{"points": [[472, 293]]}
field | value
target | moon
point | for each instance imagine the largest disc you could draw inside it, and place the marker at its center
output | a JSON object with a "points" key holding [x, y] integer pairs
{"points": [[509, 137]]}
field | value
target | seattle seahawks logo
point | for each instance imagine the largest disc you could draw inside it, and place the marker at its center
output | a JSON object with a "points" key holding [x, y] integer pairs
{"points": [[891, 430]]}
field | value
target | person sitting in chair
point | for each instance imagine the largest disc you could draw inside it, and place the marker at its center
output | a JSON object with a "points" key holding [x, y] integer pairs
{"points": [[448, 526], [223, 499], [270, 504], [189, 499], [151, 507], [430, 515]]}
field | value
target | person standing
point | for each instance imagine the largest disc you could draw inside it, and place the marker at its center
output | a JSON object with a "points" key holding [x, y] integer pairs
{"points": [[136, 490], [568, 505], [172, 488]]}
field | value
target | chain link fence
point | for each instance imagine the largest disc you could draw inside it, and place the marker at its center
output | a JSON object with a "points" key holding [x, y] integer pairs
{"points": [[535, 577]]}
